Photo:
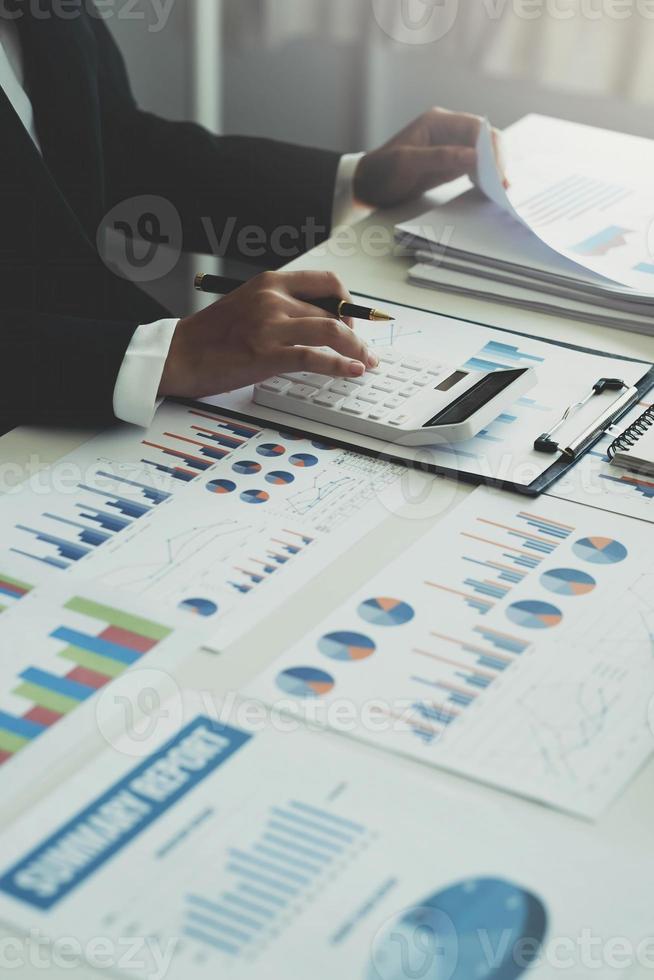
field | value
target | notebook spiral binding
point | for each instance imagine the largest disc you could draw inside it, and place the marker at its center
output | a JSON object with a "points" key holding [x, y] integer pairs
{"points": [[630, 436]]}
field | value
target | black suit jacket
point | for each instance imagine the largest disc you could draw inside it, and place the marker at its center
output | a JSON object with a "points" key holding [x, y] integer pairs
{"points": [[65, 319]]}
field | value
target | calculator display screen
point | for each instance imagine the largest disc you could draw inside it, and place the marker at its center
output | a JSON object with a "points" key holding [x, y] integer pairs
{"points": [[461, 408], [453, 380]]}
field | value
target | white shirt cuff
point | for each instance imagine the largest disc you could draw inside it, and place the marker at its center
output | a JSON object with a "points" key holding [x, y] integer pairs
{"points": [[139, 378], [345, 209]]}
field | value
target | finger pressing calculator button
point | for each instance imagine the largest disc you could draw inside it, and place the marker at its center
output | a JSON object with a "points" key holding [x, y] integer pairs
{"points": [[355, 407], [303, 392], [276, 385], [327, 399]]}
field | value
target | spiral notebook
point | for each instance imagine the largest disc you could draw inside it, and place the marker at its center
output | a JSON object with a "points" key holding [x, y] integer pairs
{"points": [[634, 448]]}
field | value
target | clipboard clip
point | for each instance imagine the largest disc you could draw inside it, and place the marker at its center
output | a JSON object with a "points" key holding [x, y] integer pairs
{"points": [[546, 442]]}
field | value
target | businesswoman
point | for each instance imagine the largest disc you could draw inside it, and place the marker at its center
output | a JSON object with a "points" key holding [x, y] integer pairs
{"points": [[78, 341]]}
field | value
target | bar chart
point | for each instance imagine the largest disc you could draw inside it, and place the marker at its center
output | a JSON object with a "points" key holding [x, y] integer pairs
{"points": [[266, 883], [91, 645], [12, 590]]}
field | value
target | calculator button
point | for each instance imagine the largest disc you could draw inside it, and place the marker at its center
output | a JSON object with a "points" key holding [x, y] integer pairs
{"points": [[378, 414], [383, 384], [375, 370], [424, 379], [386, 357], [304, 392], [400, 374], [343, 388], [327, 399], [394, 403], [409, 392], [276, 385], [372, 396], [355, 407], [305, 378], [400, 419], [412, 365]]}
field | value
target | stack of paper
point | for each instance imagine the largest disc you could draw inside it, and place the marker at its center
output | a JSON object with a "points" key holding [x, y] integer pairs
{"points": [[567, 237]]}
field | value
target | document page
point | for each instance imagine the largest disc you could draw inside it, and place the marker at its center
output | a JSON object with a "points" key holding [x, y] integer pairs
{"points": [[232, 851], [513, 644]]}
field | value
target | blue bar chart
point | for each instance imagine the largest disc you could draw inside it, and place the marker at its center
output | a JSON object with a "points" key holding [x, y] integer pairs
{"points": [[105, 508], [266, 882]]}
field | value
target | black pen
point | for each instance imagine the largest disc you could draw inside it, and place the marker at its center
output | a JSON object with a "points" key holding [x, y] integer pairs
{"points": [[330, 304]]}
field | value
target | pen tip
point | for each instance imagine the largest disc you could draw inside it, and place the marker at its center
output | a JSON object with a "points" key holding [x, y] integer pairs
{"points": [[381, 317]]}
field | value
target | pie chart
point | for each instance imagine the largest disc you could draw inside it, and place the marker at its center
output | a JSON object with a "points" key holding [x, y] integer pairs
{"points": [[255, 497], [303, 459], [199, 607], [456, 926], [600, 551], [279, 479], [385, 611], [247, 467], [305, 682], [568, 581], [346, 646], [221, 486], [271, 450], [534, 615], [324, 446]]}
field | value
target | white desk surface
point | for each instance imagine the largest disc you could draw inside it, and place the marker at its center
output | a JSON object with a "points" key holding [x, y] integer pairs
{"points": [[631, 818]]}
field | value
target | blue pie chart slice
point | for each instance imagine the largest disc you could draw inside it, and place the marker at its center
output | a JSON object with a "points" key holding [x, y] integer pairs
{"points": [[199, 607], [568, 581], [255, 497], [305, 682], [452, 930], [303, 460], [271, 450], [384, 611], [247, 467], [278, 478], [600, 551], [221, 486], [534, 615], [346, 646]]}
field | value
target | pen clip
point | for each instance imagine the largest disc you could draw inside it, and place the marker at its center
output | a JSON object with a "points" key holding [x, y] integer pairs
{"points": [[546, 442]]}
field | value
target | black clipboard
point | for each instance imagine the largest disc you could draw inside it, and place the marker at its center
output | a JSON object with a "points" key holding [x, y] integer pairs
{"points": [[343, 441]]}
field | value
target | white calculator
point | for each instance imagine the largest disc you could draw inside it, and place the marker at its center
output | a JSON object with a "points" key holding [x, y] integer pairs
{"points": [[405, 399]]}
